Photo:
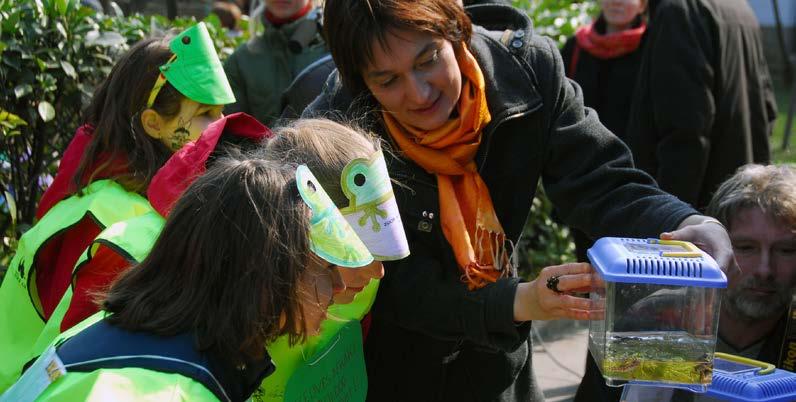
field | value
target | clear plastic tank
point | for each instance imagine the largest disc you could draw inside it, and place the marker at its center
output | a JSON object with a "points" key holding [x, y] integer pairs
{"points": [[661, 301]]}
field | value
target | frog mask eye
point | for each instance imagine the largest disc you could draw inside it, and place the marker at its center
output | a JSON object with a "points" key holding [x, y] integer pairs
{"points": [[372, 210]]}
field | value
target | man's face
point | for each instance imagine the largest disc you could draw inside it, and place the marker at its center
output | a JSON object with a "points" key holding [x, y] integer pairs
{"points": [[766, 252]]}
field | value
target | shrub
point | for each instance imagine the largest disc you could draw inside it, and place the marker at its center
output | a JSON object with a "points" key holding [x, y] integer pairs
{"points": [[53, 53]]}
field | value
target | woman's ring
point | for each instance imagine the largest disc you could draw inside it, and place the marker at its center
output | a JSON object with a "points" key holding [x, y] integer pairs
{"points": [[552, 284]]}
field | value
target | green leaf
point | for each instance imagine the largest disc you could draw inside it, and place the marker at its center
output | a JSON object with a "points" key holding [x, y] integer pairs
{"points": [[12, 206], [69, 69], [41, 63], [60, 27], [22, 90], [95, 38], [61, 6], [12, 62], [46, 111], [39, 6], [12, 119]]}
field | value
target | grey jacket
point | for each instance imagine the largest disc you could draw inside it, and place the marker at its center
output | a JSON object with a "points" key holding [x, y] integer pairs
{"points": [[260, 70]]}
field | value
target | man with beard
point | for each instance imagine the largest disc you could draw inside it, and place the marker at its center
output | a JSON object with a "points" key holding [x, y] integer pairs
{"points": [[758, 206]]}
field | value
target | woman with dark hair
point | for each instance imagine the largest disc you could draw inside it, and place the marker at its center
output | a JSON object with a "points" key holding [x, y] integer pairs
{"points": [[478, 117], [240, 262], [150, 105]]}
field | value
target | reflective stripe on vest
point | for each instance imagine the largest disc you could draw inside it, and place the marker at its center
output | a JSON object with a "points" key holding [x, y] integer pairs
{"points": [[132, 238], [21, 320]]}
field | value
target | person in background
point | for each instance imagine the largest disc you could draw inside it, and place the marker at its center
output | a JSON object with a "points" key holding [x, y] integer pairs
{"points": [[476, 118], [229, 14], [148, 107], [703, 104], [758, 206], [260, 70], [603, 58]]}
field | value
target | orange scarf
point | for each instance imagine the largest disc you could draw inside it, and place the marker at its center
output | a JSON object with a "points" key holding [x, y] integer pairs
{"points": [[468, 217]]}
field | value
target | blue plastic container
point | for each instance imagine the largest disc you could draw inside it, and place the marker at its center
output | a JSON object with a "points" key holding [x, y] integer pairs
{"points": [[661, 301], [737, 379]]}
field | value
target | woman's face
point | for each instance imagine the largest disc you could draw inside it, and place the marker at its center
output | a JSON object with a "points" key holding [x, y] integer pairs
{"points": [[285, 9], [416, 78], [620, 14], [189, 123], [355, 279], [317, 285]]}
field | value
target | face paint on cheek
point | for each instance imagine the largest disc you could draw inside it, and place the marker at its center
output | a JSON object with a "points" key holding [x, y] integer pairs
{"points": [[179, 137]]}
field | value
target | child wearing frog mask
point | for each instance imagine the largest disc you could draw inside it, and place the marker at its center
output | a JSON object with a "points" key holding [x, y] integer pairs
{"points": [[349, 164], [150, 105]]}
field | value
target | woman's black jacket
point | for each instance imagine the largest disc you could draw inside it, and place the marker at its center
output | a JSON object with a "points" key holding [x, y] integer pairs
{"points": [[432, 339]]}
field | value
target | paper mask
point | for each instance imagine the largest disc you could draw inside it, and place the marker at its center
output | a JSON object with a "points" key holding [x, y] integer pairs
{"points": [[195, 69], [331, 237], [372, 210]]}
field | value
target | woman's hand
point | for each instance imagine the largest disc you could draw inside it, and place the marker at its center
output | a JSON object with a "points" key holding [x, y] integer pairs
{"points": [[711, 236], [535, 301]]}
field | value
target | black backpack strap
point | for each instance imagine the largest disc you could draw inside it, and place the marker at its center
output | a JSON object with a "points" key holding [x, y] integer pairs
{"points": [[104, 346]]}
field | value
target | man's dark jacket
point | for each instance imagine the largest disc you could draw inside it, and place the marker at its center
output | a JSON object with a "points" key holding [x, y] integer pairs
{"points": [[703, 104], [433, 340]]}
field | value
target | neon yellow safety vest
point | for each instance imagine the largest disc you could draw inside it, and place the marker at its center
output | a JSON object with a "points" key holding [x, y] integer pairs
{"points": [[132, 238], [329, 366], [120, 384], [23, 331]]}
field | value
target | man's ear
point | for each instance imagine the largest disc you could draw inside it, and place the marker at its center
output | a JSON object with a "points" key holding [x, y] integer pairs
{"points": [[152, 122]]}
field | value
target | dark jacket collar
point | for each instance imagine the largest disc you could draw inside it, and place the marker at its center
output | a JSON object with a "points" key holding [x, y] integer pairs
{"points": [[510, 83]]}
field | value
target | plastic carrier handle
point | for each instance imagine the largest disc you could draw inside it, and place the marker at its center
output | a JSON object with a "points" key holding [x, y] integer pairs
{"points": [[765, 368], [693, 251]]}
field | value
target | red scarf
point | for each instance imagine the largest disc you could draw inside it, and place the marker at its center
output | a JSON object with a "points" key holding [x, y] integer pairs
{"points": [[612, 45], [277, 22]]}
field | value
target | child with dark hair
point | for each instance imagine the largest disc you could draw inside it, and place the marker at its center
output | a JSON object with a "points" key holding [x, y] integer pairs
{"points": [[159, 96], [247, 254]]}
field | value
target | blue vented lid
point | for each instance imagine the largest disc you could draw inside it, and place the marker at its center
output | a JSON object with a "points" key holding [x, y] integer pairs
{"points": [[653, 261], [739, 379]]}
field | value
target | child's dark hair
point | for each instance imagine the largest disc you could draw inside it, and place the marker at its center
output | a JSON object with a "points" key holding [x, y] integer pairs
{"points": [[115, 113], [226, 265]]}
